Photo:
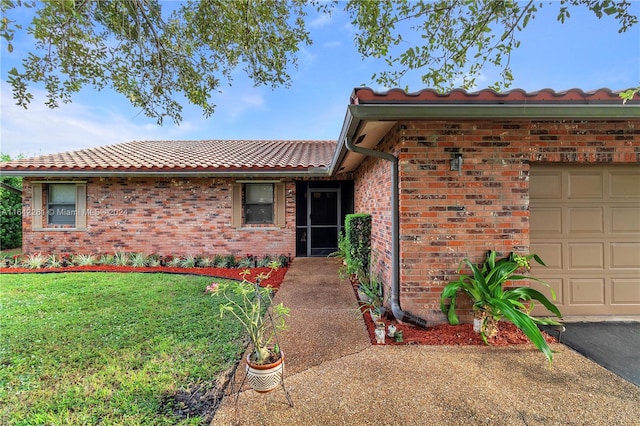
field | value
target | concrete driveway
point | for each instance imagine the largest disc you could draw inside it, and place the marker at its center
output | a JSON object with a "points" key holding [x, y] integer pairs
{"points": [[336, 377]]}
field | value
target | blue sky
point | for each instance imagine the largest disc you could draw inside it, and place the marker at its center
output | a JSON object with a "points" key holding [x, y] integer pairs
{"points": [[584, 52]]}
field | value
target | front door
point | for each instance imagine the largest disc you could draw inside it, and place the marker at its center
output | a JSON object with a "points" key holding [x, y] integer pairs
{"points": [[323, 225]]}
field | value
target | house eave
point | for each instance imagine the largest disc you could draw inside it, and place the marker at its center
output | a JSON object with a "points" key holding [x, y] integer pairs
{"points": [[357, 114], [528, 111], [312, 172]]}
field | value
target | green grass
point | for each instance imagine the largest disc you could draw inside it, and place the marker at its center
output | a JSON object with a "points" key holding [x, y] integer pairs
{"points": [[107, 348]]}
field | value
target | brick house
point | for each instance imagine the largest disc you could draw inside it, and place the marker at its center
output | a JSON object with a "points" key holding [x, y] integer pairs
{"points": [[444, 176]]}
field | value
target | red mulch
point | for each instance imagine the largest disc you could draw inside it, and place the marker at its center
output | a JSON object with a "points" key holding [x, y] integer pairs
{"points": [[446, 334], [274, 280]]}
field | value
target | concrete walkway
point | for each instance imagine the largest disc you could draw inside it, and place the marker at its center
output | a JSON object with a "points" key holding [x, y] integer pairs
{"points": [[336, 377]]}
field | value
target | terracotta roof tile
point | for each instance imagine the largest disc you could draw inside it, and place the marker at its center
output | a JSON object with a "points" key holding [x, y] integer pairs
{"points": [[186, 156], [365, 95]]}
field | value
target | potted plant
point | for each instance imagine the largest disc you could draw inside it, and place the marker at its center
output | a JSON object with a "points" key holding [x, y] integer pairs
{"points": [[252, 305], [492, 301]]}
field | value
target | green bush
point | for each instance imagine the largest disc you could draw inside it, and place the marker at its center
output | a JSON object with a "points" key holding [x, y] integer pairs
{"points": [[357, 233], [10, 211]]}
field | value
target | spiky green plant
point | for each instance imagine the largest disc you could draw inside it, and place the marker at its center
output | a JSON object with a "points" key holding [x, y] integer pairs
{"points": [[231, 261], [121, 258], [153, 260], [246, 262], [220, 261], [188, 262], [264, 261], [53, 261], [84, 259], [138, 260], [207, 262], [175, 262], [35, 261], [106, 259], [485, 287]]}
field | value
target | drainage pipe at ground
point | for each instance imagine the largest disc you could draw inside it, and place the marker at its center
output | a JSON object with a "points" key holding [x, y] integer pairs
{"points": [[399, 313]]}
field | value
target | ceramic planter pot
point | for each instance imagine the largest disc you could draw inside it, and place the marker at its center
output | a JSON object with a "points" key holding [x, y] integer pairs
{"points": [[265, 377]]}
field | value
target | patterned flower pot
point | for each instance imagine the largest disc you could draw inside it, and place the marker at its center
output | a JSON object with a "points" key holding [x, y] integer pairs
{"points": [[265, 377]]}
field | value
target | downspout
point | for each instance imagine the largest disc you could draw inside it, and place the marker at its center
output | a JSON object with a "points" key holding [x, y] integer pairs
{"points": [[400, 314]]}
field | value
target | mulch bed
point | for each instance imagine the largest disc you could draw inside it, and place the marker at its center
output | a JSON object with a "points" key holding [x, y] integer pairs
{"points": [[446, 334], [274, 280]]}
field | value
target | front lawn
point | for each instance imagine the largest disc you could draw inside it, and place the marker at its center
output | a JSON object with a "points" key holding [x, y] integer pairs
{"points": [[109, 348]]}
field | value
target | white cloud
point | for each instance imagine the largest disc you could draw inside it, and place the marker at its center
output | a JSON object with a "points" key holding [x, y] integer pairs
{"points": [[234, 102], [40, 130], [332, 44], [323, 20]]}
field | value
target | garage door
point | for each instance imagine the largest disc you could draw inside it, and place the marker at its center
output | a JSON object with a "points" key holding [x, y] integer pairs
{"points": [[585, 225]]}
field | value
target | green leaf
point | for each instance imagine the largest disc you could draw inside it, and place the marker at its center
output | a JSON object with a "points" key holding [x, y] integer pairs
{"points": [[525, 323]]}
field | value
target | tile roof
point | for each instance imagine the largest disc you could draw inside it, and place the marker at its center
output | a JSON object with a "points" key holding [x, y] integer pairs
{"points": [[365, 95], [208, 156]]}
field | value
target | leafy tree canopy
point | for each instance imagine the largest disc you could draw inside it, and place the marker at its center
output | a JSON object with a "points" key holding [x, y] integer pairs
{"points": [[152, 56]]}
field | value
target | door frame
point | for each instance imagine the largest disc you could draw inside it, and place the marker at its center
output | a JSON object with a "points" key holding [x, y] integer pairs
{"points": [[310, 224]]}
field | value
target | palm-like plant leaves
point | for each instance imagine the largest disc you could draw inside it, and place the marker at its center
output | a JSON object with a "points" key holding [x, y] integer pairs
{"points": [[485, 287]]}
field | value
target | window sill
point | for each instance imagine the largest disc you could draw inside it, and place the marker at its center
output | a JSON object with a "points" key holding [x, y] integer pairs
{"points": [[58, 229], [259, 228]]}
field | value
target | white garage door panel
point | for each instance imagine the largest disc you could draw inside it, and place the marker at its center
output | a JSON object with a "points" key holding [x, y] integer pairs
{"points": [[585, 225]]}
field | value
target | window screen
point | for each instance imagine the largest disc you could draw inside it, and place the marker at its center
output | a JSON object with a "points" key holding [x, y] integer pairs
{"points": [[61, 206], [258, 203]]}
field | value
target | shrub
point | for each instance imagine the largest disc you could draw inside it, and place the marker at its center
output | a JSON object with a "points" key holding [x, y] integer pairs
{"points": [[10, 211], [357, 233]]}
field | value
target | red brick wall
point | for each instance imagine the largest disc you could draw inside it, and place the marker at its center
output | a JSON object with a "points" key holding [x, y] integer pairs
{"points": [[445, 217], [168, 216]]}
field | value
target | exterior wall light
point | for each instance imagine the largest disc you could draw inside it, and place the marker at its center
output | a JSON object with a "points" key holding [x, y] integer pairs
{"points": [[456, 163]]}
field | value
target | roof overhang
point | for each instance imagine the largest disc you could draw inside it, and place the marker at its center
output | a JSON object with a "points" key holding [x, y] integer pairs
{"points": [[311, 172], [370, 120]]}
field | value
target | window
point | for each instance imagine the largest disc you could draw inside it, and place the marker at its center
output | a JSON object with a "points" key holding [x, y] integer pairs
{"points": [[58, 205], [258, 203], [61, 204]]}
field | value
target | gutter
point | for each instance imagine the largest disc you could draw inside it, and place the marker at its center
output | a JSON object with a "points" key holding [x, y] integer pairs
{"points": [[312, 172], [523, 111], [348, 130]]}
